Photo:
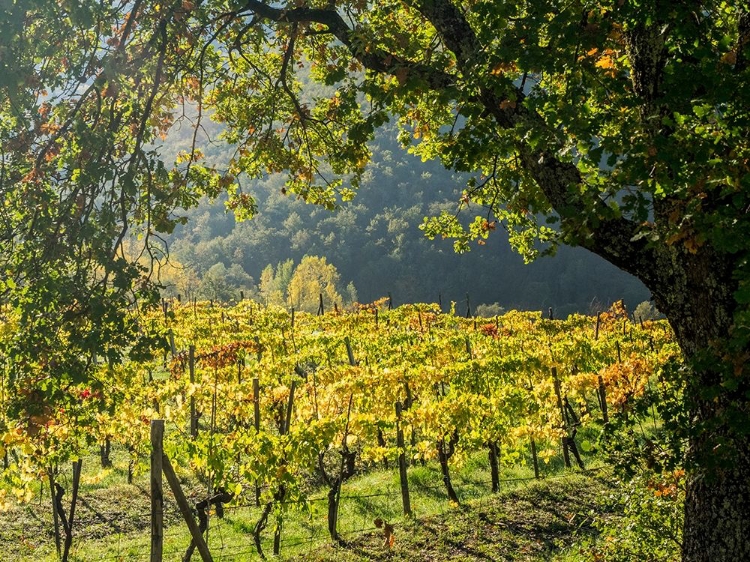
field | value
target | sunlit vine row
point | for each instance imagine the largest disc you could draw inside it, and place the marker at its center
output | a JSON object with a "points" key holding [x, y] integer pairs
{"points": [[464, 384]]}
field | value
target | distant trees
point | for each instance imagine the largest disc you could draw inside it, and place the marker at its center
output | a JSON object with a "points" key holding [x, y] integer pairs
{"points": [[301, 286], [274, 282], [313, 277], [489, 310], [224, 284], [646, 311]]}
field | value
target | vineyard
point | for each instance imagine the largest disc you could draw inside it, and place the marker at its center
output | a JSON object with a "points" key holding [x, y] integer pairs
{"points": [[265, 408]]}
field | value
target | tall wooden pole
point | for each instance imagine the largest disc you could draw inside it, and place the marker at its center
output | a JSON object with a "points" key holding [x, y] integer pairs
{"points": [[157, 491]]}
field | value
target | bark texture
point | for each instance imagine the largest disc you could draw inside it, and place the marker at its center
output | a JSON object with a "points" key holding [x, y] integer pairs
{"points": [[717, 511]]}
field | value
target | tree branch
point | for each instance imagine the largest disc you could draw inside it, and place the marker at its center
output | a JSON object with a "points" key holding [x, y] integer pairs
{"points": [[374, 58]]}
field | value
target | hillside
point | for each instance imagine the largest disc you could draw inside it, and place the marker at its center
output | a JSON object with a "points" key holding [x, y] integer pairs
{"points": [[375, 242]]}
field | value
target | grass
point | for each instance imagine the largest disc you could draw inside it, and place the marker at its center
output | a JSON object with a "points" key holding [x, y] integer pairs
{"points": [[527, 520]]}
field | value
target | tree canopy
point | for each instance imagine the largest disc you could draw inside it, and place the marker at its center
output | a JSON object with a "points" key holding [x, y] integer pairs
{"points": [[618, 126]]}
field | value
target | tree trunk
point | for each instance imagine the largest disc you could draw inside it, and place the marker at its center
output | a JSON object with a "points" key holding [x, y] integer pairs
{"points": [[445, 452], [717, 511], [696, 292], [104, 453], [695, 289], [333, 509]]}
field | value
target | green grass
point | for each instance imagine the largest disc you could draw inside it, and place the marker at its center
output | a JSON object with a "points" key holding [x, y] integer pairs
{"points": [[532, 519]]}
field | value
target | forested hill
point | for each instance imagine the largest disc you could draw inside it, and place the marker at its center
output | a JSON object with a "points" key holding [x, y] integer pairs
{"points": [[376, 244]]}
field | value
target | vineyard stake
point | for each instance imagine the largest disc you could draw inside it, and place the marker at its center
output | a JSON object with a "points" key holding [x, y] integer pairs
{"points": [[349, 351], [534, 458], [598, 321], [193, 417], [405, 500], [603, 399], [619, 355], [493, 454], [289, 407], [157, 491], [187, 512], [55, 517], [556, 382], [256, 421]]}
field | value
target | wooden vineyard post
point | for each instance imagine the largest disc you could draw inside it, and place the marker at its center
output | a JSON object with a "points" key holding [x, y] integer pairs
{"points": [[77, 465], [281, 494], [566, 456], [55, 516], [290, 405], [405, 500], [193, 416], [602, 395], [256, 421], [187, 512], [349, 352], [256, 403], [407, 405], [157, 491], [598, 321], [493, 456], [534, 458]]}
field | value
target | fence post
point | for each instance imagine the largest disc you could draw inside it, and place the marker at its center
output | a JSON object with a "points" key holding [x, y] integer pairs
{"points": [[402, 463], [157, 492]]}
